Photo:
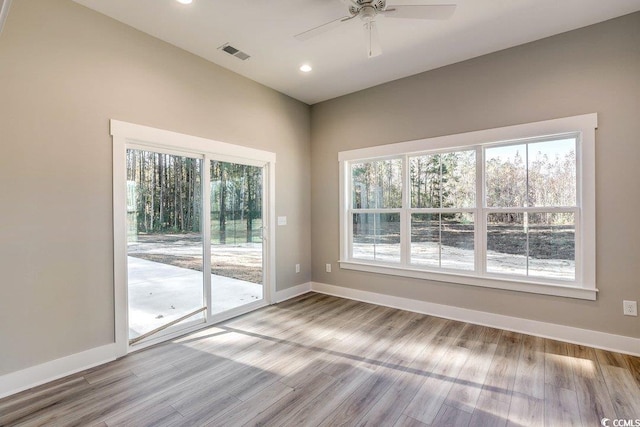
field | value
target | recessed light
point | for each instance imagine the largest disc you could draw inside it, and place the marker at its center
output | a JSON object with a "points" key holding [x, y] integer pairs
{"points": [[305, 68], [185, 1]]}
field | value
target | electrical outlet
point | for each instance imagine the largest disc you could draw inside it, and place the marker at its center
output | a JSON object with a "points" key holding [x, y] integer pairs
{"points": [[297, 268], [328, 268], [630, 308]]}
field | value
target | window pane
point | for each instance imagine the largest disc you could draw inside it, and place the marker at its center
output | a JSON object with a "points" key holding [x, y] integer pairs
{"points": [[377, 184], [443, 240], [506, 244], [457, 241], [425, 181], [443, 180], [376, 237], [552, 245], [425, 239], [506, 176], [552, 173], [459, 179]]}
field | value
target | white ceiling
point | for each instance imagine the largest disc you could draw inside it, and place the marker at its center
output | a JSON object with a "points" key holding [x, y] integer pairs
{"points": [[265, 28]]}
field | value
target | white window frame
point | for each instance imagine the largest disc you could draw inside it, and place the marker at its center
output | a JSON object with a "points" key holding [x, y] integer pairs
{"points": [[582, 127], [128, 135]]}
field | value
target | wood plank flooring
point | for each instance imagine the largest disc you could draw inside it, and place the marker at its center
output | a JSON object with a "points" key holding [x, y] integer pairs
{"points": [[319, 360]]}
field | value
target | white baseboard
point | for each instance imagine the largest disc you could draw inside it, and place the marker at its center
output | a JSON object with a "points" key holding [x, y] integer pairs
{"points": [[602, 340], [18, 381], [292, 292]]}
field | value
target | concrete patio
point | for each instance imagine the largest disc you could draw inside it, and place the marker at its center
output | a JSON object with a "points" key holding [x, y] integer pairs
{"points": [[160, 293]]}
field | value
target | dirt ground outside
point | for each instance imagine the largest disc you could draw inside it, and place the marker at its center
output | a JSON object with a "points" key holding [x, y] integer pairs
{"points": [[242, 261], [550, 242], [551, 248]]}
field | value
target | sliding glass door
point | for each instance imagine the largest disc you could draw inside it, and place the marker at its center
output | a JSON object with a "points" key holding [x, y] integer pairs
{"points": [[164, 242], [179, 271]]}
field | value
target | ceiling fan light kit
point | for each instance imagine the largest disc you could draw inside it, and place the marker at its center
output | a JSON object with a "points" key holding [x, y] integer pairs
{"points": [[368, 10]]}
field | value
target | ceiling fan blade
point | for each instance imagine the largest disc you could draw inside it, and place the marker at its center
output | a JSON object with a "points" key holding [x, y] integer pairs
{"points": [[440, 11], [322, 28], [372, 38], [4, 11]]}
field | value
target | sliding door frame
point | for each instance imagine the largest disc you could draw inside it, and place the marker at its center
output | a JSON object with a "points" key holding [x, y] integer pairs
{"points": [[131, 136]]}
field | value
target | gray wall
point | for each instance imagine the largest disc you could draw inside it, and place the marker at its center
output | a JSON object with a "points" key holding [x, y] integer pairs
{"points": [[64, 72], [594, 69]]}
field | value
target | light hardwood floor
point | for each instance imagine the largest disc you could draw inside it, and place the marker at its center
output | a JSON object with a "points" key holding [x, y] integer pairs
{"points": [[322, 360]]}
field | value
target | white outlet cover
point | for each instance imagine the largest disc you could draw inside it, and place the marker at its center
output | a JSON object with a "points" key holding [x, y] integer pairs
{"points": [[630, 308], [282, 220]]}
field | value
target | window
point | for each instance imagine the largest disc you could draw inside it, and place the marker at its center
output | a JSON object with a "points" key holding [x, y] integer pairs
{"points": [[509, 208]]}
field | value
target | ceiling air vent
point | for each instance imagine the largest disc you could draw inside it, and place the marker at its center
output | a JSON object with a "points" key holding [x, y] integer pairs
{"points": [[235, 52]]}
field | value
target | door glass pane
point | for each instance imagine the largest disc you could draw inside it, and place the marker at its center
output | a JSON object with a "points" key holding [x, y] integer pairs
{"points": [[376, 236], [236, 235], [506, 243], [552, 241], [164, 239]]}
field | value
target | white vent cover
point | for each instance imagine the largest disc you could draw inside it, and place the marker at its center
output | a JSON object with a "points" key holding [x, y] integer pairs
{"points": [[234, 52], [4, 12]]}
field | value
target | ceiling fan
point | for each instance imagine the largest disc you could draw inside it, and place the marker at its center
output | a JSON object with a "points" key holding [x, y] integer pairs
{"points": [[368, 10]]}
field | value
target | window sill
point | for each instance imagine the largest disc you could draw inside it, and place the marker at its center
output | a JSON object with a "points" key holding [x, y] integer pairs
{"points": [[510, 284]]}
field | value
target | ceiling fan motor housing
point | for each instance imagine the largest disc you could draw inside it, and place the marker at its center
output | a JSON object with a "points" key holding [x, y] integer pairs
{"points": [[368, 7]]}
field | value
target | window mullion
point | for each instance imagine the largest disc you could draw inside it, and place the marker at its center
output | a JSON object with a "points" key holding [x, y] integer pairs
{"points": [[405, 216], [440, 214], [579, 248], [527, 204], [480, 244], [206, 233], [346, 211], [534, 210]]}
